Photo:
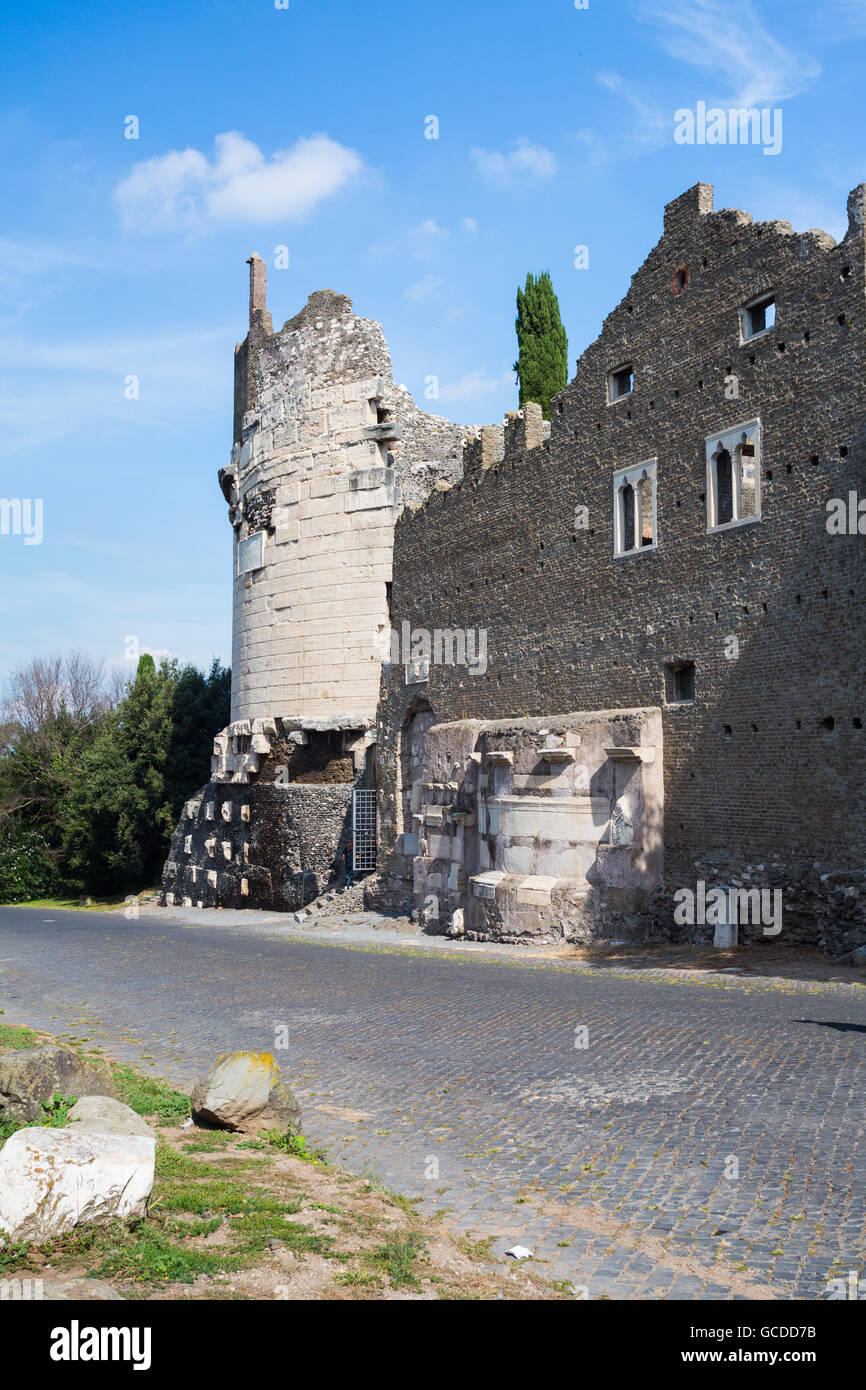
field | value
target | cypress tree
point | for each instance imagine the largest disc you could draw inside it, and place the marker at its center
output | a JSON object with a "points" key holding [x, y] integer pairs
{"points": [[542, 347]]}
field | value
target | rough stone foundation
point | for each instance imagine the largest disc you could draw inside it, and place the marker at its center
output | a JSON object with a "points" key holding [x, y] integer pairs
{"points": [[261, 846]]}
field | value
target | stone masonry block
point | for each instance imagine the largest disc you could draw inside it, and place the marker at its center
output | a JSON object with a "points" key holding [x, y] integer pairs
{"points": [[372, 498], [364, 478]]}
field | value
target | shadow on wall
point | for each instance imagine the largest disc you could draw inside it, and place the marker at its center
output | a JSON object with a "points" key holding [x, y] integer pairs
{"points": [[410, 763]]}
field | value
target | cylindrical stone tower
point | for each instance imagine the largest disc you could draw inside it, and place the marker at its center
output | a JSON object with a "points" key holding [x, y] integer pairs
{"points": [[313, 500], [326, 449]]}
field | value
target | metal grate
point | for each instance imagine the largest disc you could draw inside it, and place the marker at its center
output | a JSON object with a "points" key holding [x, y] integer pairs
{"points": [[364, 830]]}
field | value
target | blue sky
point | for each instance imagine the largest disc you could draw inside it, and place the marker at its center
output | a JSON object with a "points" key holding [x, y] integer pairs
{"points": [[305, 127]]}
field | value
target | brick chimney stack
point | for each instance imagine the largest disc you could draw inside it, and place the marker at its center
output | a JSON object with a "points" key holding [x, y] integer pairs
{"points": [[258, 285]]}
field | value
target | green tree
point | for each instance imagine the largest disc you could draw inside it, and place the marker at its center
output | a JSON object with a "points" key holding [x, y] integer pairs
{"points": [[50, 710], [201, 706], [542, 347], [94, 772], [117, 818]]}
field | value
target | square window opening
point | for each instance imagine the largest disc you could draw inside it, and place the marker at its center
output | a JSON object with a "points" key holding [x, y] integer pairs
{"points": [[680, 683], [758, 316], [620, 383]]}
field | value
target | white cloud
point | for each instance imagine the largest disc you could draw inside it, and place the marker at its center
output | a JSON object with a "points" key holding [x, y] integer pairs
{"points": [[53, 390], [166, 353], [34, 259], [185, 191], [475, 384], [427, 238], [422, 242], [524, 162], [431, 228], [852, 14], [595, 145], [653, 125], [423, 289], [727, 40], [31, 271]]}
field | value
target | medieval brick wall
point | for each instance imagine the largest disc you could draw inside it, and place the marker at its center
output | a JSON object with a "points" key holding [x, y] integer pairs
{"points": [[764, 769]]}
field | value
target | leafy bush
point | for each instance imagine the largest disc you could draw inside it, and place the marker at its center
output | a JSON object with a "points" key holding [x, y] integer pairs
{"points": [[26, 868], [11, 1251], [398, 1255]]}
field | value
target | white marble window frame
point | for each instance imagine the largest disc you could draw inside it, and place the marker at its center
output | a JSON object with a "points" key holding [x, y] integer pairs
{"points": [[732, 440], [632, 476]]}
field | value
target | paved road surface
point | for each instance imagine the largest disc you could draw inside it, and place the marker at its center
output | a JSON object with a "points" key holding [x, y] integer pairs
{"points": [[719, 1127]]}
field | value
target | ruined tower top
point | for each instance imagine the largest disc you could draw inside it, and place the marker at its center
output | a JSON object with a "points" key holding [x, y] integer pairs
{"points": [[258, 285]]}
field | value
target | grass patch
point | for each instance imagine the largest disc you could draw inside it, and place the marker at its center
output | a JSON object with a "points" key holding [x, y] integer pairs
{"points": [[16, 1039], [479, 1249], [147, 1096], [358, 1279], [159, 1250], [397, 1257], [73, 905], [171, 1164], [175, 1227], [146, 1254], [215, 1195], [215, 1141], [254, 1230], [375, 1184], [294, 1144], [408, 1205], [203, 1189], [53, 1116]]}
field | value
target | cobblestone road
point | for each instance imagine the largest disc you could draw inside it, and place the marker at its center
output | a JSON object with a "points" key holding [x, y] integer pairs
{"points": [[706, 1142]]}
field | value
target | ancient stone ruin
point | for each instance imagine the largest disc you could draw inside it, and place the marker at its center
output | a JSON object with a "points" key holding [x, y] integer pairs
{"points": [[327, 449], [555, 675]]}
